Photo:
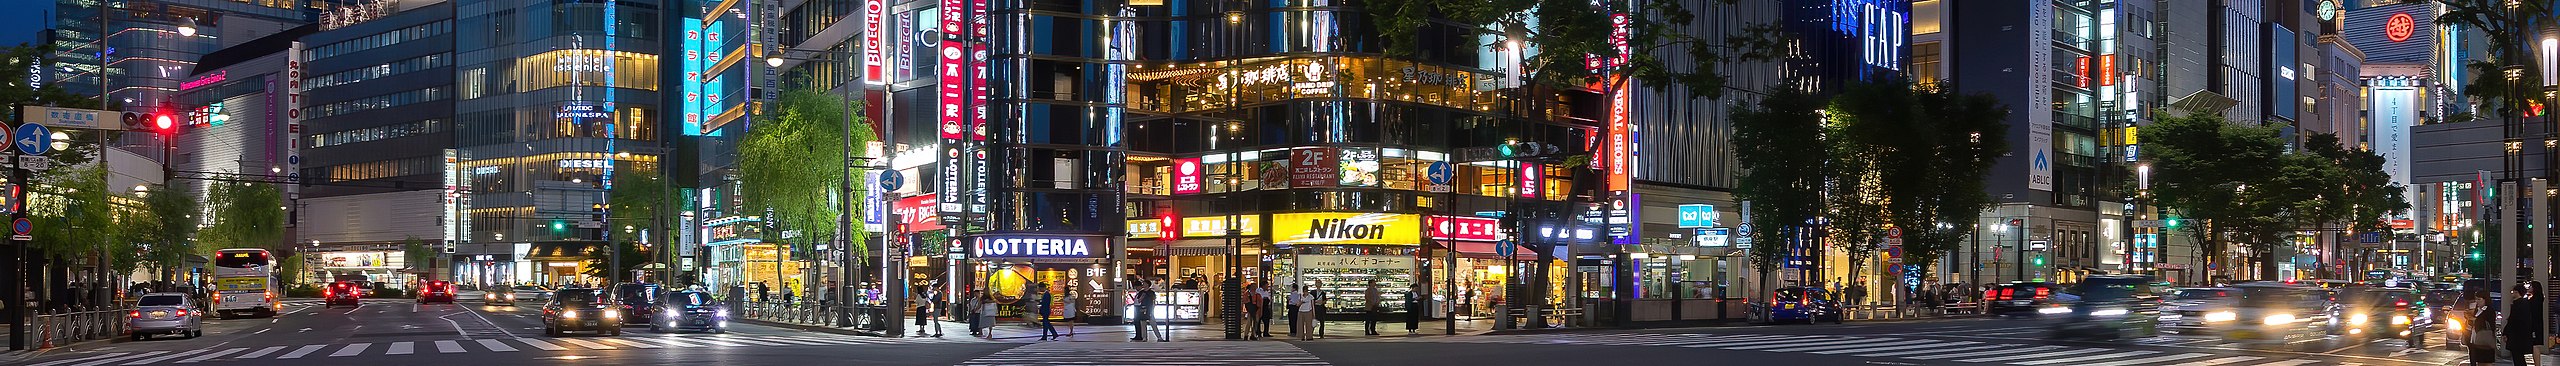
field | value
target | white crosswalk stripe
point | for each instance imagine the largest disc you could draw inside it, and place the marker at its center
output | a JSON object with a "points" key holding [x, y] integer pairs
{"points": [[1125, 353], [2110, 353], [1914, 347], [1922, 344], [412, 348], [2218, 361], [2147, 361]]}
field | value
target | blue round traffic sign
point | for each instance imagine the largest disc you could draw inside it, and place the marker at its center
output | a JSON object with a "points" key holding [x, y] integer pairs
{"points": [[891, 180], [1440, 172], [22, 226], [33, 139]]}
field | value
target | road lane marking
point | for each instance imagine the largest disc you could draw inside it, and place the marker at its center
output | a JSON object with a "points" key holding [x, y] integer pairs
{"points": [[2054, 353], [298, 352], [164, 357], [2232, 347], [351, 350], [1923, 344], [401, 348], [120, 358], [1855, 345], [751, 342], [666, 341], [359, 306], [485, 320], [537, 343], [714, 342], [1937, 350], [1987, 353], [1777, 343], [1797, 343], [210, 356], [2152, 360], [2288, 363], [2218, 361], [494, 345], [262, 352], [449, 346], [584, 343], [632, 344], [795, 341], [58, 362], [457, 326], [2085, 358], [261, 331]]}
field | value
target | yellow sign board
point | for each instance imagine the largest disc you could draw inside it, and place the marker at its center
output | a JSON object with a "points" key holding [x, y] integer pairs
{"points": [[1217, 225], [1347, 228]]}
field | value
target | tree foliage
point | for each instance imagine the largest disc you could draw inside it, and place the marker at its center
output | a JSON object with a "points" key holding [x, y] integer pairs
{"points": [[1929, 150], [245, 215], [164, 228], [790, 165], [2246, 187], [1780, 140]]}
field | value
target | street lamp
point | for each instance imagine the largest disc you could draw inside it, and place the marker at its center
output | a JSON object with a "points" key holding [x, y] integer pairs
{"points": [[187, 27]]}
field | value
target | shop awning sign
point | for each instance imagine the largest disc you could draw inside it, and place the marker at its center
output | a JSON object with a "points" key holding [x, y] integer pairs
{"points": [[1032, 246], [1326, 261], [1347, 228]]}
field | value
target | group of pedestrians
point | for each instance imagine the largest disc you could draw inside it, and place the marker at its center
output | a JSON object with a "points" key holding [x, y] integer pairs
{"points": [[2519, 333], [1305, 306]]}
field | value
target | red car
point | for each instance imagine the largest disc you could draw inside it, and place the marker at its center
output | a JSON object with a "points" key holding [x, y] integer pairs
{"points": [[341, 292], [436, 291]]}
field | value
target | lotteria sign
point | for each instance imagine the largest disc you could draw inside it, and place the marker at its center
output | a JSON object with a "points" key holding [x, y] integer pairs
{"points": [[1347, 228], [1032, 246]]}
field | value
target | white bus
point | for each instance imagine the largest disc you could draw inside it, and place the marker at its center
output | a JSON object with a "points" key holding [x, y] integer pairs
{"points": [[244, 282]]}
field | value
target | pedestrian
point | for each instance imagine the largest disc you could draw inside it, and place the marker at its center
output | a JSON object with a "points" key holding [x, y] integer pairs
{"points": [[2523, 329], [1315, 320], [2482, 338], [1301, 304], [763, 293], [1040, 301], [970, 304], [1369, 307], [1412, 313], [1163, 331], [987, 313], [1857, 294], [1146, 310], [1069, 312], [924, 317], [1258, 308], [827, 295]]}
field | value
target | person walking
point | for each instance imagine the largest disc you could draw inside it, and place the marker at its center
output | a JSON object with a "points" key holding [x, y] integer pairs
{"points": [[1146, 310], [2482, 338], [763, 293], [1040, 306], [2523, 329], [1069, 312], [1369, 307], [987, 313], [1315, 320]]}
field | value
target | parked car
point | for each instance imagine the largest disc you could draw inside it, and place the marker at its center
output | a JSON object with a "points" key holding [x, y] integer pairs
{"points": [[580, 310], [2108, 307], [1809, 305], [166, 313], [692, 310]]}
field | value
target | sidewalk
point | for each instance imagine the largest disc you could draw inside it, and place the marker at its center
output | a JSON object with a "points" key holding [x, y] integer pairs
{"points": [[1017, 330]]}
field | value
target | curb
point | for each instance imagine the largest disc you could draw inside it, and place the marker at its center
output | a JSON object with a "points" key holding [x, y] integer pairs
{"points": [[15, 357], [813, 328]]}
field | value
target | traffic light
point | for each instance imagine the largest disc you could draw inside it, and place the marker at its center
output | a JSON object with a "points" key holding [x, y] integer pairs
{"points": [[2039, 260], [2172, 222], [1515, 149], [558, 226], [163, 123]]}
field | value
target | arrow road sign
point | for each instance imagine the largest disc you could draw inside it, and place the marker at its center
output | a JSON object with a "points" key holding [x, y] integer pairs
{"points": [[33, 139], [1439, 172], [891, 180]]}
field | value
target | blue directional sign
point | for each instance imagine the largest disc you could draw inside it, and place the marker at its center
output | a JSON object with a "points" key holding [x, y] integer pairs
{"points": [[33, 139], [1440, 172], [891, 180], [1506, 248]]}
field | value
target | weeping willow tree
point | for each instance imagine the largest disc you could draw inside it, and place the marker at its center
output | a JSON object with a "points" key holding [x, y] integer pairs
{"points": [[784, 166]]}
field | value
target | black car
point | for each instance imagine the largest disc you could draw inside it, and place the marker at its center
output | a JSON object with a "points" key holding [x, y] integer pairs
{"points": [[691, 310], [2109, 307], [2021, 299], [638, 301], [580, 310], [341, 292]]}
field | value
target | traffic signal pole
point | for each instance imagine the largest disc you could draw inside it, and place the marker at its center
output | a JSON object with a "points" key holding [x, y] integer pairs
{"points": [[19, 306]]}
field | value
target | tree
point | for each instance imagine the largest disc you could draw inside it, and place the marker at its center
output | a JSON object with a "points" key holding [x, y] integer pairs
{"points": [[600, 263], [2363, 193], [2231, 178], [2509, 26], [784, 165], [245, 215], [73, 219], [640, 195], [1855, 195], [165, 229], [1932, 149], [1781, 143]]}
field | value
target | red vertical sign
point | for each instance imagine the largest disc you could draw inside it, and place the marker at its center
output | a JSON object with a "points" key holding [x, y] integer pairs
{"points": [[2083, 70], [874, 12], [1532, 180], [2107, 70], [948, 112]]}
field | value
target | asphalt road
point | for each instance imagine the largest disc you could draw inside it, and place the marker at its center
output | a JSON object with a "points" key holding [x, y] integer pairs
{"points": [[399, 332]]}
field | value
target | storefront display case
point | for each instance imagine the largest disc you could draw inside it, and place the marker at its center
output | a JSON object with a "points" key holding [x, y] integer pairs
{"points": [[1172, 306]]}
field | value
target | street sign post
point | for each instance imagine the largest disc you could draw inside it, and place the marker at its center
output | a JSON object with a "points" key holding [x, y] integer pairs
{"points": [[21, 228], [892, 180], [32, 139], [33, 162]]}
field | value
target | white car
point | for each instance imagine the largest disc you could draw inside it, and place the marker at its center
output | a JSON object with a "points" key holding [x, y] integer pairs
{"points": [[530, 293], [2187, 310]]}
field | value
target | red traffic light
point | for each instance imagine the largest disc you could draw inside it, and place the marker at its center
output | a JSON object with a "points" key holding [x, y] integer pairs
{"points": [[163, 122]]}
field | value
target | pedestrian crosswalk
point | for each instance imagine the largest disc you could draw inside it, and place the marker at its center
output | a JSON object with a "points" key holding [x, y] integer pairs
{"points": [[1140, 353], [290, 303], [351, 351], [1976, 351]]}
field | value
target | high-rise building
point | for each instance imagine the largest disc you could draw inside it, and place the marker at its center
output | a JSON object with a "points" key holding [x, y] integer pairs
{"points": [[377, 142]]}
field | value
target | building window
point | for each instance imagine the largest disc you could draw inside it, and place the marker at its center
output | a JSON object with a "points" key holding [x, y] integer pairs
{"points": [[1925, 62]]}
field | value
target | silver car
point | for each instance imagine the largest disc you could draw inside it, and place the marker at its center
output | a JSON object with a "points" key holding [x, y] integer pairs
{"points": [[166, 313]]}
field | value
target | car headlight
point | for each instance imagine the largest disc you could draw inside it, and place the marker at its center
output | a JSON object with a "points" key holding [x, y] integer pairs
{"points": [[2053, 310], [2453, 324], [2358, 319], [511, 297], [671, 313], [612, 313], [2279, 319], [569, 314], [2220, 316], [2110, 312], [2399, 319], [724, 313]]}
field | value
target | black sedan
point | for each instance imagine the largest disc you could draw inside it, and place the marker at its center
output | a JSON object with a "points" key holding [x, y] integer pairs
{"points": [[691, 310], [639, 302], [580, 310]]}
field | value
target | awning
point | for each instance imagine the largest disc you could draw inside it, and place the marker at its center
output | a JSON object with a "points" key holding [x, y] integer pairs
{"points": [[1487, 250], [1210, 246], [560, 251]]}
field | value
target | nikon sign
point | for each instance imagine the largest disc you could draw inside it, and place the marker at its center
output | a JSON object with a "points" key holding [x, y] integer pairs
{"points": [[1347, 228]]}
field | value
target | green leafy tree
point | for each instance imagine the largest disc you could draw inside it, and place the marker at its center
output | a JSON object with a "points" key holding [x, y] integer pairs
{"points": [[790, 165], [2510, 27], [2233, 179], [1780, 142], [245, 215], [164, 229], [1931, 149], [640, 196], [1855, 193], [74, 221]]}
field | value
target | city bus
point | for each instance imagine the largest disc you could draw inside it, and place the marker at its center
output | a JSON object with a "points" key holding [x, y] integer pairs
{"points": [[244, 282]]}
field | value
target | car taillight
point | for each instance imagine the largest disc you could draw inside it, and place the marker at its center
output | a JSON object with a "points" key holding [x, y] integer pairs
{"points": [[137, 314], [182, 313], [2041, 293]]}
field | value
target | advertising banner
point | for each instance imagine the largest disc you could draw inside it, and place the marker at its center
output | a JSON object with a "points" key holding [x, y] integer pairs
{"points": [[1016, 246], [1216, 226], [1346, 228], [1186, 176], [1316, 167], [1336, 262], [918, 213], [1465, 228]]}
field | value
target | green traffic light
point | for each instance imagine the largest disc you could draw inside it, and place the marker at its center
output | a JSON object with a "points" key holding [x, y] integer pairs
{"points": [[1507, 151], [2172, 222]]}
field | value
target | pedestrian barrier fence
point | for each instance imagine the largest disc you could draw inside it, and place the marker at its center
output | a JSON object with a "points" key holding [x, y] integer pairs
{"points": [[86, 323], [860, 317]]}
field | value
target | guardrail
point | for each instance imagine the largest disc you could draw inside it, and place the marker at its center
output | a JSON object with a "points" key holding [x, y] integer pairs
{"points": [[64, 328], [858, 317]]}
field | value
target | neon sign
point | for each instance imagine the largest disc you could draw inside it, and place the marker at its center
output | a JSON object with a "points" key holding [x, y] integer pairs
{"points": [[2400, 27], [208, 79]]}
